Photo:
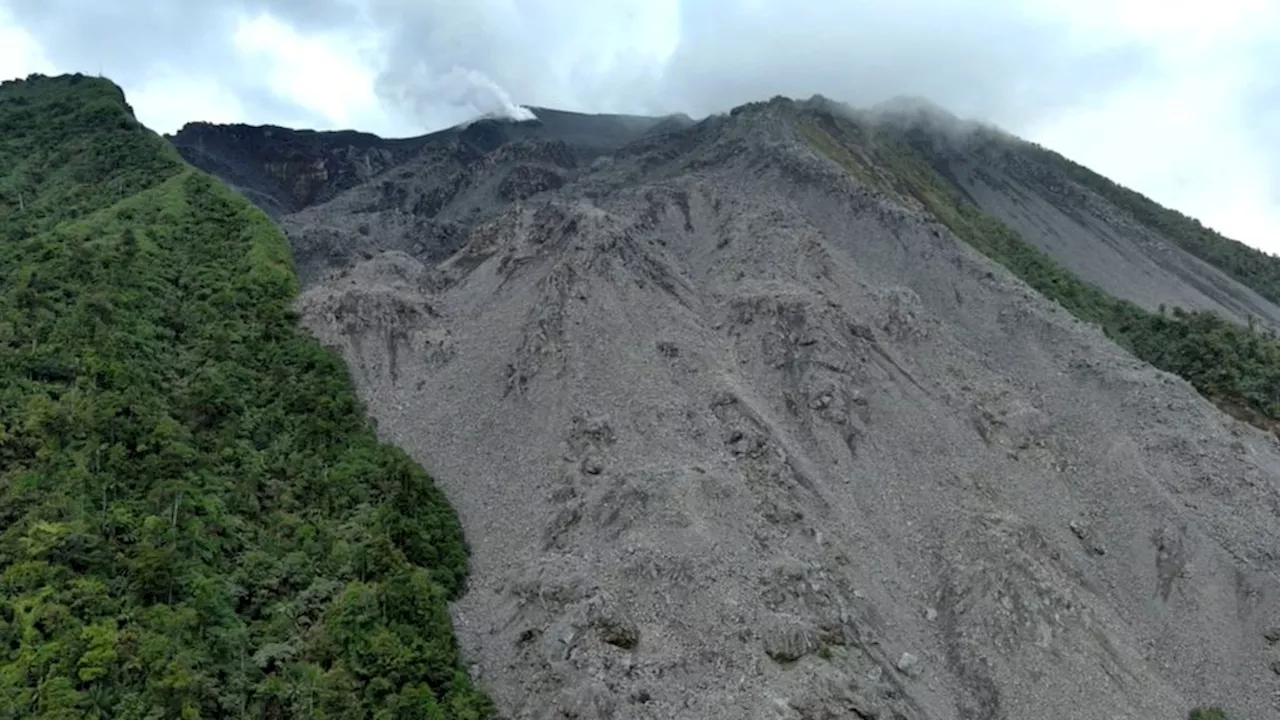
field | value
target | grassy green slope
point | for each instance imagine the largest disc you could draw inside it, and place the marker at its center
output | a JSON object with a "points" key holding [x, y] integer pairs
{"points": [[1237, 368], [196, 519]]}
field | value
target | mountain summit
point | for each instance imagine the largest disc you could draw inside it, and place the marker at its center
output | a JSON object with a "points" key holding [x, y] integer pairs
{"points": [[804, 411]]}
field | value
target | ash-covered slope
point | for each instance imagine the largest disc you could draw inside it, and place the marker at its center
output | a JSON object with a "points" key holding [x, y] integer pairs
{"points": [[734, 434], [1113, 238]]}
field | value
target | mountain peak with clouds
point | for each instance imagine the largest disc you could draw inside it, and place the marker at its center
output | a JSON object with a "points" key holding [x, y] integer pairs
{"points": [[1105, 83], [1108, 83]]}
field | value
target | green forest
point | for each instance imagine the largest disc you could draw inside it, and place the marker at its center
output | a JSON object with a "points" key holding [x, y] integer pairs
{"points": [[1236, 367], [196, 518]]}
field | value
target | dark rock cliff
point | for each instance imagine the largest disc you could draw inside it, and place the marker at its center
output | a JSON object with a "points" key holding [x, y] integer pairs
{"points": [[285, 170]]}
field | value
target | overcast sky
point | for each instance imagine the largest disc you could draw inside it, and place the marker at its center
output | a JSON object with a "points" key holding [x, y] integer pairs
{"points": [[1177, 99]]}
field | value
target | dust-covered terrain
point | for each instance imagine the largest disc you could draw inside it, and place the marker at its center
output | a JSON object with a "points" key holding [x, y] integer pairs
{"points": [[735, 435]]}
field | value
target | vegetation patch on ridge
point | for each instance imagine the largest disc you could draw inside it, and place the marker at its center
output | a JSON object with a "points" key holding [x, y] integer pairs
{"points": [[196, 518], [1236, 367]]}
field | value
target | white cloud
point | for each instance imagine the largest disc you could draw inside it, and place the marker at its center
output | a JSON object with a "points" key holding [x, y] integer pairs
{"points": [[619, 51], [447, 62], [1180, 133], [169, 98], [20, 53], [327, 73], [1173, 27]]}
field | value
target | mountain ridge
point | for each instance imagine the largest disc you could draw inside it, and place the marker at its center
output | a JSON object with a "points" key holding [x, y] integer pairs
{"points": [[308, 167], [1250, 266], [1151, 274]]}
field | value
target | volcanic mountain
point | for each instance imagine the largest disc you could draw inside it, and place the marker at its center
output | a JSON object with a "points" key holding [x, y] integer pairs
{"points": [[806, 411]]}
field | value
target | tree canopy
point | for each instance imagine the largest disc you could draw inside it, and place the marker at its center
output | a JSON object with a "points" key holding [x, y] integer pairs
{"points": [[196, 518]]}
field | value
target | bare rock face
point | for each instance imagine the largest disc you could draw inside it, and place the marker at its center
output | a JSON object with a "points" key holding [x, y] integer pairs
{"points": [[727, 444], [284, 170]]}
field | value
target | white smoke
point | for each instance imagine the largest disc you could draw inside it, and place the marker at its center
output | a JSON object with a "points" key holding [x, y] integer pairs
{"points": [[445, 61], [460, 92]]}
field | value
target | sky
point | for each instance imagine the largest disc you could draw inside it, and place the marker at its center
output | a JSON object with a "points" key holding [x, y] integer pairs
{"points": [[1173, 98]]}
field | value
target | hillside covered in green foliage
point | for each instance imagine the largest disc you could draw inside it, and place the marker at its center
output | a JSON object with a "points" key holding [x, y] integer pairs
{"points": [[196, 519], [1236, 367]]}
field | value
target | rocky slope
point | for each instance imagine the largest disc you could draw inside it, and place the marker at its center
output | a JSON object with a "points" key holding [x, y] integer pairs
{"points": [[734, 433]]}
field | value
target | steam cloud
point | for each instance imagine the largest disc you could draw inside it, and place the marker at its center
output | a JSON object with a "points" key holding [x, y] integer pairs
{"points": [[446, 62], [422, 92]]}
